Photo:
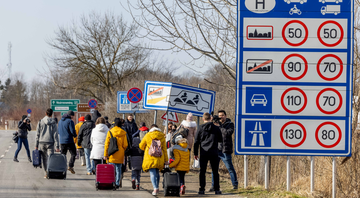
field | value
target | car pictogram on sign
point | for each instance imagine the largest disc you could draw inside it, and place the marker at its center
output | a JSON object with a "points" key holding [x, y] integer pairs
{"points": [[295, 1], [258, 99], [189, 98]]}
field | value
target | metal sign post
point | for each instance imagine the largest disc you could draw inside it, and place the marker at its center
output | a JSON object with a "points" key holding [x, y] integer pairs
{"points": [[288, 174], [155, 116]]}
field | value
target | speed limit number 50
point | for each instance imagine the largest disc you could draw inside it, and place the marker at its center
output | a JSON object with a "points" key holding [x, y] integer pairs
{"points": [[330, 33], [295, 33]]}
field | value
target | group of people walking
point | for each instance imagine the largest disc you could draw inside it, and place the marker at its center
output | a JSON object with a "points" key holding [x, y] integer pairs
{"points": [[143, 149]]}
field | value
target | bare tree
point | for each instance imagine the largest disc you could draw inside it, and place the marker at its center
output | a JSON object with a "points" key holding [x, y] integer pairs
{"points": [[94, 57], [202, 29]]}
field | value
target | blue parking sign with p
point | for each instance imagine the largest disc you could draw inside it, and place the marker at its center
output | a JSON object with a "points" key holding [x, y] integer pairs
{"points": [[258, 100]]}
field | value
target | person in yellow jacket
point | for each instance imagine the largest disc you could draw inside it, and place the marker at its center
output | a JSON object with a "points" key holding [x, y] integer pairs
{"points": [[79, 148], [181, 162], [117, 159], [151, 163]]}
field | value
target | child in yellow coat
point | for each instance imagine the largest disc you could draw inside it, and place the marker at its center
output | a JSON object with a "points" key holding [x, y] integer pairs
{"points": [[181, 162]]}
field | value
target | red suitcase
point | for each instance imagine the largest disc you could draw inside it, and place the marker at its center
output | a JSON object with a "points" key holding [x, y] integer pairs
{"points": [[105, 176]]}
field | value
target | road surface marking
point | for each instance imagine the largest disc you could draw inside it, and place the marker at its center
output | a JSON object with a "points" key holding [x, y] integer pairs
{"points": [[6, 151], [9, 146], [2, 156], [151, 93], [257, 67]]}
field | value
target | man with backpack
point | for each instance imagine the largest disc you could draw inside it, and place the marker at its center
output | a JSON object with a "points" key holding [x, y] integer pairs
{"points": [[207, 137], [47, 137], [84, 141]]}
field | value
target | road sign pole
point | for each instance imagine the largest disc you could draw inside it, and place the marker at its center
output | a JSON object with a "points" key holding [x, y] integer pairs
{"points": [[155, 116], [167, 122], [266, 172], [312, 174], [124, 116], [245, 171], [135, 116], [334, 177], [288, 173]]}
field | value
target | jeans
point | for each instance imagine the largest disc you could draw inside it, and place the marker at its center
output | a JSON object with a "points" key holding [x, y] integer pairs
{"points": [[214, 162], [89, 163], [226, 158], [26, 144], [117, 172], [182, 177], [135, 175], [72, 149], [81, 152], [46, 150], [155, 177]]}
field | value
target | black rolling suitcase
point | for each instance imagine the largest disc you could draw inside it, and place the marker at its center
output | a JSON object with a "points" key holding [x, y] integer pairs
{"points": [[57, 166], [171, 184], [36, 158]]}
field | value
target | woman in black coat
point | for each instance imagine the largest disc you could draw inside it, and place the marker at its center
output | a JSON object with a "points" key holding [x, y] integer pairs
{"points": [[24, 127]]}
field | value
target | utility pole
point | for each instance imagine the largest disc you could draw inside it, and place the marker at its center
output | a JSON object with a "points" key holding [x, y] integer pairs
{"points": [[9, 65]]}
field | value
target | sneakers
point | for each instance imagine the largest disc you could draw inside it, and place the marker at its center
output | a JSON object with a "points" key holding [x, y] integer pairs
{"points": [[218, 192], [137, 187], [133, 184], [211, 189], [71, 169], [16, 160], [30, 159], [88, 173], [235, 187], [182, 190], [201, 192], [155, 192]]}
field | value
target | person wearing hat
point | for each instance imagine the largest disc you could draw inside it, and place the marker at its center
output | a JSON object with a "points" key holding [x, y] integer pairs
{"points": [[80, 148], [67, 133], [191, 126], [141, 132]]}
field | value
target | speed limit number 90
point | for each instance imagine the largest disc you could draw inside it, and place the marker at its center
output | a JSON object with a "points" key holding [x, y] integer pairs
{"points": [[295, 33]]}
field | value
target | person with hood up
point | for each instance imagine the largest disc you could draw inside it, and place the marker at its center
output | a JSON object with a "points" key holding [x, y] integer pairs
{"points": [[84, 141], [66, 129], [117, 159], [95, 115], [107, 122], [136, 158], [151, 163], [80, 148], [181, 162], [24, 127], [143, 130], [47, 137], [97, 139], [207, 138], [191, 126], [130, 126]]}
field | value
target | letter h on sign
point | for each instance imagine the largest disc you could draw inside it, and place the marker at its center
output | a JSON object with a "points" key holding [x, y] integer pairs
{"points": [[260, 2]]}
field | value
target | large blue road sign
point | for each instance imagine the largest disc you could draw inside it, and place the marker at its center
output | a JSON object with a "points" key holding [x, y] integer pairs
{"points": [[178, 98], [125, 106], [294, 77]]}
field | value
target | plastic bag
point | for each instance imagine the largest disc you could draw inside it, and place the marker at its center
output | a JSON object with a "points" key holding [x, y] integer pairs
{"points": [[196, 163]]}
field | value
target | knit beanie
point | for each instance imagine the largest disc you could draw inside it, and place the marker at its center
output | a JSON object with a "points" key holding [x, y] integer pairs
{"points": [[88, 117], [82, 119]]}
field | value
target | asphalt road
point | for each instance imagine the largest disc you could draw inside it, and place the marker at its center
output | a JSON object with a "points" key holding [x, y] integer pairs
{"points": [[23, 180]]}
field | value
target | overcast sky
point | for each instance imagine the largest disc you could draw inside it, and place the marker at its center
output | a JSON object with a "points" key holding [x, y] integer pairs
{"points": [[27, 24]]}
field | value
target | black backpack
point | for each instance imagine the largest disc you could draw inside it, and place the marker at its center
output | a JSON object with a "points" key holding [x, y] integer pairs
{"points": [[113, 147]]}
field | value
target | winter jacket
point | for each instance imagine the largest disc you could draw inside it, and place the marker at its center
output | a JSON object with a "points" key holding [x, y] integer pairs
{"points": [[23, 129], [227, 130], [130, 127], [207, 137], [120, 134], [97, 139], [151, 161], [46, 132], [66, 129], [136, 155], [85, 134], [95, 115], [141, 132], [191, 126], [77, 129], [182, 156]]}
